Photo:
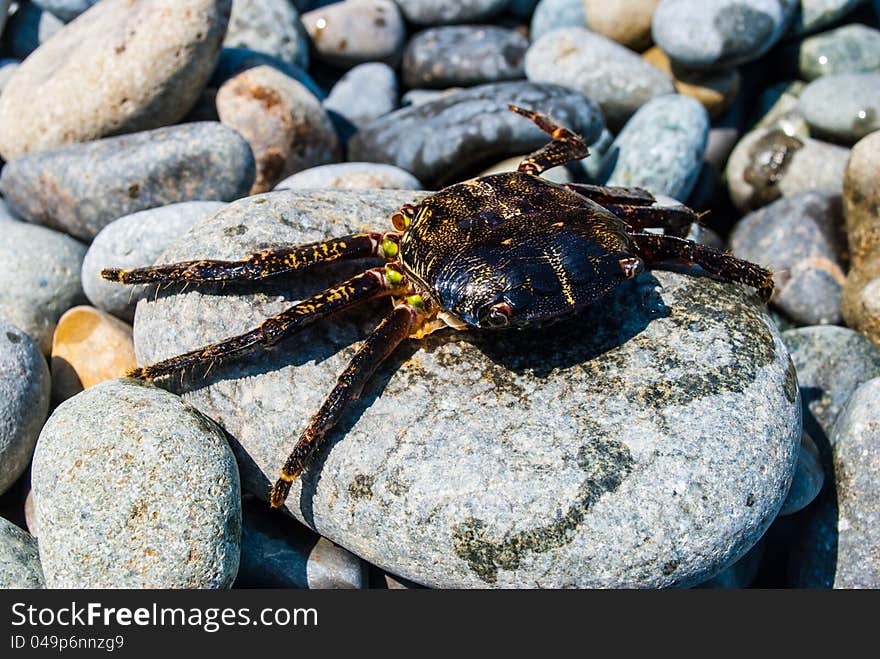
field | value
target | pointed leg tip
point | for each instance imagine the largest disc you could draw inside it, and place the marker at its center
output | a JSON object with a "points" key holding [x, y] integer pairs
{"points": [[280, 490], [112, 274]]}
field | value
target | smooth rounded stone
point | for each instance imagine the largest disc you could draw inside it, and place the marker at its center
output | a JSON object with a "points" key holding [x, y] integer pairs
{"points": [[366, 92], [63, 93], [555, 174], [801, 239], [808, 478], [441, 139], [848, 49], [24, 401], [719, 34], [628, 22], [715, 90], [831, 363], [860, 302], [282, 553], [812, 15], [553, 14], [419, 96], [780, 107], [30, 515], [604, 71], [555, 453], [445, 12], [233, 61], [463, 55], [135, 489], [660, 148], [844, 106], [89, 346], [282, 121], [66, 10], [8, 66], [40, 278], [19, 558], [356, 31], [28, 28], [81, 188], [768, 163], [269, 26], [352, 176], [135, 241]]}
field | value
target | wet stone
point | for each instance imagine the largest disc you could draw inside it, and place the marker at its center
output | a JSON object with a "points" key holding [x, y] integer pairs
{"points": [[19, 558], [81, 188], [39, 280], [844, 107], [269, 26], [135, 489], [801, 239], [848, 49], [366, 92], [352, 176], [463, 56], [555, 454], [24, 401], [135, 241], [444, 12], [660, 148], [440, 139], [553, 14], [606, 72]]}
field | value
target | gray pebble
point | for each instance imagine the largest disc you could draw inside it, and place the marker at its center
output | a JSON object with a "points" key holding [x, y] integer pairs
{"points": [[445, 12], [366, 92], [848, 49], [813, 15], [553, 455], [719, 34], [604, 71], [779, 107], [356, 31], [81, 188], [419, 96], [135, 489], [463, 55], [40, 278], [440, 139], [843, 106], [24, 401], [660, 148], [135, 241], [808, 478], [269, 26], [19, 558], [553, 14], [352, 176], [66, 10]]}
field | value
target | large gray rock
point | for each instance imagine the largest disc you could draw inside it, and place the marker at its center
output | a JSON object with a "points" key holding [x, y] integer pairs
{"points": [[134, 488], [647, 442], [269, 26], [19, 558]]}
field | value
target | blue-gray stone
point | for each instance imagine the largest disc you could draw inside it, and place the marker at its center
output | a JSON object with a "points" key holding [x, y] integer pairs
{"points": [[812, 15], [268, 26], [366, 92], [808, 478], [444, 12], [19, 558], [553, 14], [81, 188], [27, 28], [233, 61], [848, 49], [66, 10], [844, 107]]}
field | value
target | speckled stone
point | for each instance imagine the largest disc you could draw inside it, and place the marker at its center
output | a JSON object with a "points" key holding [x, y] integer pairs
{"points": [[24, 401], [282, 121], [445, 12], [39, 279], [352, 176], [719, 33], [366, 92], [831, 363], [556, 456], [269, 26], [628, 22], [19, 558], [553, 14], [463, 55], [848, 49], [808, 478], [660, 148], [282, 553], [440, 139], [135, 241], [768, 163], [81, 188], [28, 28], [801, 239], [601, 69], [66, 10], [63, 93], [813, 15], [356, 31], [135, 489], [844, 107]]}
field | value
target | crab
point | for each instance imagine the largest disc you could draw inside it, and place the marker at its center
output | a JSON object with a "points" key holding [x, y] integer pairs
{"points": [[508, 250]]}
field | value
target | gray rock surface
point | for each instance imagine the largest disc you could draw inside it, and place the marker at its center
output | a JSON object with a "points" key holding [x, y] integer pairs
{"points": [[445, 12], [553, 14], [268, 26], [81, 188], [352, 176], [844, 106], [19, 558], [135, 489], [441, 139], [233, 61], [812, 15], [847, 49], [24, 401], [135, 241], [39, 279], [533, 462], [366, 92]]}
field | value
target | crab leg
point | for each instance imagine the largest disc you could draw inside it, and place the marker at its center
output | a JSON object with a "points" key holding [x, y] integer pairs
{"points": [[676, 220], [365, 286], [267, 263], [608, 194], [657, 249], [390, 333], [565, 147]]}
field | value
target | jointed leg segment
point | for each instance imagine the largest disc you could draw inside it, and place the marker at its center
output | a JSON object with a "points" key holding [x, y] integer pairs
{"points": [[565, 147]]}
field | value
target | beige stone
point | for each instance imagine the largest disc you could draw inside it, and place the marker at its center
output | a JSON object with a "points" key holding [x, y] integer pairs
{"points": [[122, 66], [628, 22], [715, 90]]}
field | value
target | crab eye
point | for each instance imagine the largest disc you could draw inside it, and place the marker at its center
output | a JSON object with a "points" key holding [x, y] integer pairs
{"points": [[498, 315]]}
